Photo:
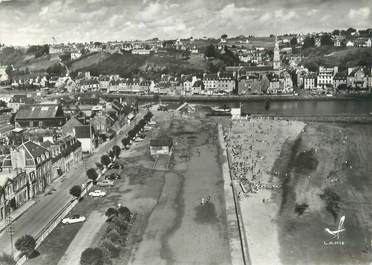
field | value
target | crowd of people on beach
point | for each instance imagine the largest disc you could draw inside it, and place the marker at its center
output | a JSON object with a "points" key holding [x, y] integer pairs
{"points": [[248, 141]]}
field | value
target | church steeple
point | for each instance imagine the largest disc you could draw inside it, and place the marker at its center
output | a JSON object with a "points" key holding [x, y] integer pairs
{"points": [[276, 60]]}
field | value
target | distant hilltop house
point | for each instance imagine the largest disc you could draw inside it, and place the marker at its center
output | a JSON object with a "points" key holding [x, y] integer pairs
{"points": [[162, 145], [3, 75], [141, 51]]}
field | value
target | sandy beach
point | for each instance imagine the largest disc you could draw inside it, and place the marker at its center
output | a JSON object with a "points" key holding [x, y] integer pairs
{"points": [[254, 145]]}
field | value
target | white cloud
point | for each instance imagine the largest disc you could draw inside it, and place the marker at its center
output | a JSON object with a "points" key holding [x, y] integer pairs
{"points": [[44, 10], [280, 15], [311, 12], [361, 13], [265, 17]]}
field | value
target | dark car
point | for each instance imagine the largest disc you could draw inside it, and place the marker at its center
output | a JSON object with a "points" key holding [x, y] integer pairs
{"points": [[114, 166]]}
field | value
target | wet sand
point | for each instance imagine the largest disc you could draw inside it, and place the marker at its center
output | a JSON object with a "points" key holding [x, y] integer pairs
{"points": [[302, 237], [180, 230]]}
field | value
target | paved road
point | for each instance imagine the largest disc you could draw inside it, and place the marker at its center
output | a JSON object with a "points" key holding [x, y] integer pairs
{"points": [[47, 206]]}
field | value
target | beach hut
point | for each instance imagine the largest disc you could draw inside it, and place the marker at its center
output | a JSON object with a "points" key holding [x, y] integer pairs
{"points": [[162, 145]]}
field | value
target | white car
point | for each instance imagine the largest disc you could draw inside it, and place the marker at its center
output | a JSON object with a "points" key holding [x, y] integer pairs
{"points": [[105, 182], [97, 193], [73, 219], [152, 123]]}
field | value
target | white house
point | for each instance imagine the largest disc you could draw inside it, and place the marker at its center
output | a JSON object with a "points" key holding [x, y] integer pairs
{"points": [[85, 135], [161, 146], [349, 44]]}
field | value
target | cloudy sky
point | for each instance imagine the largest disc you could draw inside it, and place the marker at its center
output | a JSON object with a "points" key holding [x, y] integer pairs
{"points": [[37, 21]]}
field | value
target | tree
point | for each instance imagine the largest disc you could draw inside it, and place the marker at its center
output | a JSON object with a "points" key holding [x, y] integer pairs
{"points": [[210, 51], [294, 42], [125, 142], [113, 250], [111, 154], [3, 104], [224, 36], [335, 32], [114, 236], [309, 42], [124, 213], [110, 212], [116, 149], [92, 256], [10, 72], [265, 84], [326, 40], [92, 174], [350, 30], [105, 160], [122, 226], [76, 191], [26, 245], [56, 69]]}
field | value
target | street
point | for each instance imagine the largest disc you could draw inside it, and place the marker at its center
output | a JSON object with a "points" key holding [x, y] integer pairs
{"points": [[48, 205]]}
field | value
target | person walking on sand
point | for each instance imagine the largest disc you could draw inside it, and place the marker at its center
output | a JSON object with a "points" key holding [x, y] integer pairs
{"points": [[202, 201]]}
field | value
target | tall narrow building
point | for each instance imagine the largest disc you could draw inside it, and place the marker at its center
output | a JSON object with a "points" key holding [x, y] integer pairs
{"points": [[276, 61]]}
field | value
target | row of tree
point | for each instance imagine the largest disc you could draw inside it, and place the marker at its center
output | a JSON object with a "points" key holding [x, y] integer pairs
{"points": [[113, 240]]}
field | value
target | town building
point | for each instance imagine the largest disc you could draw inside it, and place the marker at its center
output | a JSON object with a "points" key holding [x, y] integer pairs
{"points": [[66, 153], [325, 77], [340, 80], [15, 191], [41, 116], [35, 160], [19, 100], [86, 136], [357, 78], [309, 81]]}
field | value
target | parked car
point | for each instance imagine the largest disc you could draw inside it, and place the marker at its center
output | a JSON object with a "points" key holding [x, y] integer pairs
{"points": [[105, 183], [73, 219], [114, 165], [138, 139], [97, 193], [152, 123], [113, 176]]}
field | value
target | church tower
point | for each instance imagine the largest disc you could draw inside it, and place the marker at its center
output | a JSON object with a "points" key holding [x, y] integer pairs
{"points": [[276, 61]]}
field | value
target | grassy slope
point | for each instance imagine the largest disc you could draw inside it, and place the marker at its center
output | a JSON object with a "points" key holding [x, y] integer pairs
{"points": [[127, 64], [341, 56], [87, 61], [38, 64]]}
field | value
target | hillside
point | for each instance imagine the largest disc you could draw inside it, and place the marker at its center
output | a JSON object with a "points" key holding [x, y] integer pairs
{"points": [[86, 61], [150, 66], [38, 64], [342, 57]]}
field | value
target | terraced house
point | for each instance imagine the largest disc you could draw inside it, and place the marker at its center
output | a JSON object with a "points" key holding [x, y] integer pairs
{"points": [[35, 161], [14, 191], [66, 153]]}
